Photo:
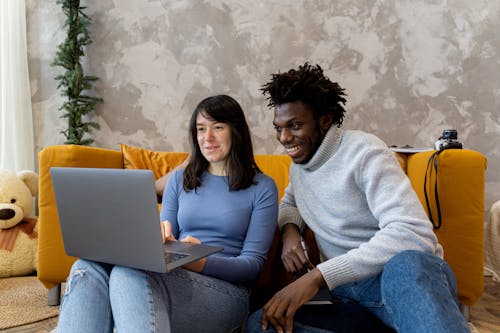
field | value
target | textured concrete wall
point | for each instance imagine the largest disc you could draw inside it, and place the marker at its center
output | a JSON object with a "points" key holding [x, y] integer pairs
{"points": [[411, 68]]}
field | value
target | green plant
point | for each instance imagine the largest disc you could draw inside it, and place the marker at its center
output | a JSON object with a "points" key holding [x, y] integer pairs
{"points": [[74, 82]]}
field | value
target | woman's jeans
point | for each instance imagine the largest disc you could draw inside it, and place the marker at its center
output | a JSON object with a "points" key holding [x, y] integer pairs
{"points": [[416, 292], [99, 297]]}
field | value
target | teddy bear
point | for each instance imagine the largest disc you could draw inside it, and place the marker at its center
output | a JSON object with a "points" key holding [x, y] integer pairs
{"points": [[18, 230]]}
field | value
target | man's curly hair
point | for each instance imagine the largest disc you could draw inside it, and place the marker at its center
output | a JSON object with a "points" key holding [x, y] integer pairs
{"points": [[309, 85]]}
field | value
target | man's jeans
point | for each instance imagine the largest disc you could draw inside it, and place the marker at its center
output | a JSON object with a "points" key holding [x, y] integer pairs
{"points": [[99, 297], [416, 292]]}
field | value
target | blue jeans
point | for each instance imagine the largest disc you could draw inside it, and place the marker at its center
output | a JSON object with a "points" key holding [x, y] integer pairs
{"points": [[416, 292], [99, 297]]}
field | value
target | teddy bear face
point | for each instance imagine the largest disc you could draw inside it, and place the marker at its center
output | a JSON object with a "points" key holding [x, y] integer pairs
{"points": [[16, 200]]}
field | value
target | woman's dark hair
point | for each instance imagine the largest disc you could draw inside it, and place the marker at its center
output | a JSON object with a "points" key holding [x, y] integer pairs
{"points": [[241, 167], [309, 85]]}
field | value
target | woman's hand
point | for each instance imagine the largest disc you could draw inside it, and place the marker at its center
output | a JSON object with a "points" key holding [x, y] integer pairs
{"points": [[166, 231], [195, 266]]}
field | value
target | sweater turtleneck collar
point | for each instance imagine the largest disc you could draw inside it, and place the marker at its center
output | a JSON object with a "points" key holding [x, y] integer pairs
{"points": [[327, 149]]}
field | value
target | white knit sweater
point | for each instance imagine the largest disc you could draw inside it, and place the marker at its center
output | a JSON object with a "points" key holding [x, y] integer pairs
{"points": [[359, 204]]}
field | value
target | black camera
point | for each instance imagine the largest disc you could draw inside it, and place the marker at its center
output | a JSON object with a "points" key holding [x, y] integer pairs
{"points": [[448, 140]]}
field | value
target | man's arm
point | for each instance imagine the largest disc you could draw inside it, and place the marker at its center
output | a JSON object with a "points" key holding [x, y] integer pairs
{"points": [[280, 310], [291, 226], [161, 182], [292, 254]]}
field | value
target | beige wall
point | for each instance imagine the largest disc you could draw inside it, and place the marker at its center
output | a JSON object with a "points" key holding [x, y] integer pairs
{"points": [[411, 68]]}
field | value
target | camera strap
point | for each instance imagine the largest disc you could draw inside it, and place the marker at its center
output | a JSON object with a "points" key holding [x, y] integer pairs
{"points": [[432, 164]]}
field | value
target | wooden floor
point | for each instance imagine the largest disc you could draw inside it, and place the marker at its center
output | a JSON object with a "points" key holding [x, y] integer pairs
{"points": [[485, 315]]}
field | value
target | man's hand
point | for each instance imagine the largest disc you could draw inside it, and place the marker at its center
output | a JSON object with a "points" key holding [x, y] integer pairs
{"points": [[279, 311], [293, 255]]}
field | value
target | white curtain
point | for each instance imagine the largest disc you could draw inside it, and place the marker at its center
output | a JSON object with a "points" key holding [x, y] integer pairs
{"points": [[16, 120]]}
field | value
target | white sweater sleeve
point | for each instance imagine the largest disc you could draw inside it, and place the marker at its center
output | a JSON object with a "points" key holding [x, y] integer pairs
{"points": [[288, 211]]}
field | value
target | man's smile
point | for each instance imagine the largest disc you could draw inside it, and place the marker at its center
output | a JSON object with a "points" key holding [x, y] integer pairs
{"points": [[292, 150]]}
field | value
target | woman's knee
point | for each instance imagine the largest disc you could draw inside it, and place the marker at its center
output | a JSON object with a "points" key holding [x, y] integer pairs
{"points": [[83, 267], [83, 264], [125, 273], [133, 280], [86, 273]]}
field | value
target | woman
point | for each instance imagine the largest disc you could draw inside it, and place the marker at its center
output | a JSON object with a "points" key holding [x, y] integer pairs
{"points": [[221, 198]]}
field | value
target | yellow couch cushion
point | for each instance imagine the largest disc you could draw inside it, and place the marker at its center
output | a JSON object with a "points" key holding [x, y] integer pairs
{"points": [[158, 162], [275, 166], [460, 192]]}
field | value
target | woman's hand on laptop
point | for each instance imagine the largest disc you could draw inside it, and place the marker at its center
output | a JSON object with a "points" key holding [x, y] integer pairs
{"points": [[166, 231], [195, 266]]}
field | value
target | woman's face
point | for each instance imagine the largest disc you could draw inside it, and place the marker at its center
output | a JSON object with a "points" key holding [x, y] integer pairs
{"points": [[214, 139]]}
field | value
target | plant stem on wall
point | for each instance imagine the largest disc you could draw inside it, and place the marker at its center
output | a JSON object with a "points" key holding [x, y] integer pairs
{"points": [[74, 82]]}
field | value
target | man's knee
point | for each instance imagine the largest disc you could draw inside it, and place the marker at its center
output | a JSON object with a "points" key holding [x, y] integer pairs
{"points": [[410, 261], [412, 268], [254, 321]]}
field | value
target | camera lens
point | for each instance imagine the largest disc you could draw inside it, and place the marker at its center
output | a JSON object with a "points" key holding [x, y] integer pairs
{"points": [[450, 134]]}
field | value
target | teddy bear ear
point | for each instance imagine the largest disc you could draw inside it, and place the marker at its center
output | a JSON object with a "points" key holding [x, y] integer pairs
{"points": [[30, 178]]}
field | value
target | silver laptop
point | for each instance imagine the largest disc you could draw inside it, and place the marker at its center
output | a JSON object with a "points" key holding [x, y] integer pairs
{"points": [[111, 216]]}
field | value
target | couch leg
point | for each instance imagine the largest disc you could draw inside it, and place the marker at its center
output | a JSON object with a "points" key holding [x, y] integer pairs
{"points": [[465, 309], [54, 297]]}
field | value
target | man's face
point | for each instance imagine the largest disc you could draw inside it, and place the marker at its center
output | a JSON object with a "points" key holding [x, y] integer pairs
{"points": [[298, 131]]}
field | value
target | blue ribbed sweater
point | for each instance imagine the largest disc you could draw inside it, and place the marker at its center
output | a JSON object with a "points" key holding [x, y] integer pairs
{"points": [[243, 222]]}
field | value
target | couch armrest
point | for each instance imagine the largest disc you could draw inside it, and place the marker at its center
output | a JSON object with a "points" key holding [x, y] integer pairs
{"points": [[53, 263], [460, 183]]}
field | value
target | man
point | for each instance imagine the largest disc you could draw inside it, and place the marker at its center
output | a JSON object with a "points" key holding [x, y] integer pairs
{"points": [[377, 245]]}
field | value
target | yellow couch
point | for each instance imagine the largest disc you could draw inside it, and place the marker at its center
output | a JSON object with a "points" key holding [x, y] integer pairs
{"points": [[460, 185]]}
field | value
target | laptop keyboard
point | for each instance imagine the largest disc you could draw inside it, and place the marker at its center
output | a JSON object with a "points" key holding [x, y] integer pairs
{"points": [[174, 256]]}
